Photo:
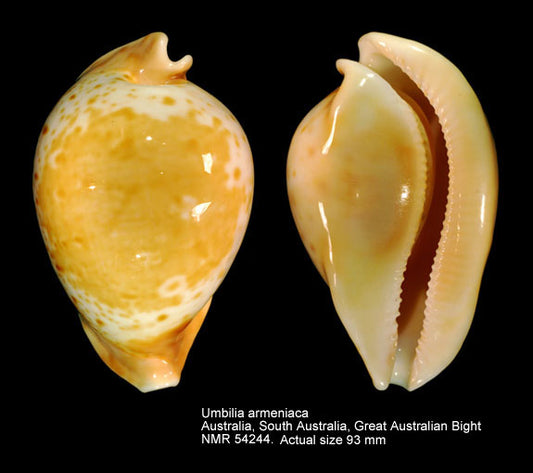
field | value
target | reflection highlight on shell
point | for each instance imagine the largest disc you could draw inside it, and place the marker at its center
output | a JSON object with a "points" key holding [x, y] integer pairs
{"points": [[392, 182], [143, 188]]}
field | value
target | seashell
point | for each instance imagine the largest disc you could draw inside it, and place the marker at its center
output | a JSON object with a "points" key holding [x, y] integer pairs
{"points": [[392, 183], [143, 187]]}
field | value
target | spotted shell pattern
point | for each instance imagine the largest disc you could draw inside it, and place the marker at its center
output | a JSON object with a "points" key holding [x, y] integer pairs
{"points": [[143, 187]]}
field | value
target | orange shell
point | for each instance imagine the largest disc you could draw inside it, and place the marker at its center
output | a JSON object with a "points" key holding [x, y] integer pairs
{"points": [[143, 187]]}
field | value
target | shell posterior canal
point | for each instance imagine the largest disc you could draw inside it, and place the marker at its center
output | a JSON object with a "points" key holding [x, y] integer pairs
{"points": [[145, 61]]}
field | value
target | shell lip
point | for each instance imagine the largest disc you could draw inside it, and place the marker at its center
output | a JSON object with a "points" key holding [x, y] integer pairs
{"points": [[455, 108]]}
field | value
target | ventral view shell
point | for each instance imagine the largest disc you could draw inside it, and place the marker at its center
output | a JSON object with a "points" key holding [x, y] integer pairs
{"points": [[392, 181]]}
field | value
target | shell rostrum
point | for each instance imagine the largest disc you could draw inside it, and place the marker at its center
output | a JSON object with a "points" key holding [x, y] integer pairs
{"points": [[143, 188], [392, 182]]}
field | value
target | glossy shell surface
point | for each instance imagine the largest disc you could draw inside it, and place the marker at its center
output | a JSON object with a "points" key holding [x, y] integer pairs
{"points": [[392, 181], [143, 187]]}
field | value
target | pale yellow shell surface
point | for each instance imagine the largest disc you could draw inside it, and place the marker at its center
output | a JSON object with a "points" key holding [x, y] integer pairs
{"points": [[392, 181], [143, 186]]}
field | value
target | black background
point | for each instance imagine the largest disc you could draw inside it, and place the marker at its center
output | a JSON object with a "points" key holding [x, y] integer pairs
{"points": [[271, 338]]}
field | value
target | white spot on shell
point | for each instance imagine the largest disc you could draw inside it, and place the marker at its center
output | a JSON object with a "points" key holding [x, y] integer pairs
{"points": [[173, 286]]}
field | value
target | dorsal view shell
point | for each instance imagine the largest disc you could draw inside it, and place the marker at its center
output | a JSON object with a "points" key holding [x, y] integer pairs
{"points": [[143, 187], [392, 182]]}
